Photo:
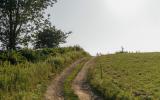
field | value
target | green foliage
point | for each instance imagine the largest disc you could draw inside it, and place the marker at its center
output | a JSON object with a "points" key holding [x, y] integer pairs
{"points": [[18, 18], [12, 56], [50, 38], [28, 80], [57, 62], [30, 55], [127, 76]]}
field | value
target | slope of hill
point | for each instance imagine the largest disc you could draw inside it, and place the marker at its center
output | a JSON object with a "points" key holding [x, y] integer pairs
{"points": [[25, 74], [127, 76]]}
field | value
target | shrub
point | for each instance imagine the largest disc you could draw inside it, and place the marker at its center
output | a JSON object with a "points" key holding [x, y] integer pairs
{"points": [[29, 54]]}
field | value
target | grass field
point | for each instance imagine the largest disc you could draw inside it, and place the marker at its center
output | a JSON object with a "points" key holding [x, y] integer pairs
{"points": [[127, 76]]}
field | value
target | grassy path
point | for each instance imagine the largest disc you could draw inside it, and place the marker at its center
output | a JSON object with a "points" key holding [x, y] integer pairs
{"points": [[80, 85], [55, 90], [72, 84], [68, 91]]}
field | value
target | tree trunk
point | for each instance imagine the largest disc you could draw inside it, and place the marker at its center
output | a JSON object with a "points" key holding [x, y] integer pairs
{"points": [[12, 35]]}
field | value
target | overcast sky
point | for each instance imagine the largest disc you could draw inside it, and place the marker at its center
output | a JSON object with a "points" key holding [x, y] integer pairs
{"points": [[106, 25]]}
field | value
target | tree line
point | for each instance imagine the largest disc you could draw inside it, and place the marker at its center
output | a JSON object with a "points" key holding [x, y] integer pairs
{"points": [[23, 22]]}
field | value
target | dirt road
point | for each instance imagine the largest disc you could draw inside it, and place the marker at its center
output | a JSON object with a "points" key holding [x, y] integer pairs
{"points": [[80, 85], [55, 90]]}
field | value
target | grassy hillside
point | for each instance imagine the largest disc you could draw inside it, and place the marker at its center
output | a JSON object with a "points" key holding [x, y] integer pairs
{"points": [[127, 76], [25, 74]]}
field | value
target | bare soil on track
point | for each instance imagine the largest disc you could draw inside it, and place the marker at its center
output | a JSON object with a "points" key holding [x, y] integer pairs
{"points": [[55, 90], [80, 85]]}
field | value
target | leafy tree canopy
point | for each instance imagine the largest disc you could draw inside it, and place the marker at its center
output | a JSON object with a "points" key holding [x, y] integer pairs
{"points": [[50, 38], [18, 18]]}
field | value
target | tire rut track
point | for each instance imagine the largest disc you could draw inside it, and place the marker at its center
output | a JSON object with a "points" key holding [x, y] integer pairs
{"points": [[80, 85], [55, 90]]}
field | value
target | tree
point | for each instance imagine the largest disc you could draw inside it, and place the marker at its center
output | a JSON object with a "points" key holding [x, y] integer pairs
{"points": [[18, 18], [50, 38]]}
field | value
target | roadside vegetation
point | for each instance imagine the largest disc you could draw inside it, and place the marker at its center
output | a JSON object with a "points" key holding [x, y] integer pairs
{"points": [[127, 76], [68, 91], [25, 74]]}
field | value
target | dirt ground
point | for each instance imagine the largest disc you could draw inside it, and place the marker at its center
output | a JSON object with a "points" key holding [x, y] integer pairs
{"points": [[80, 85], [55, 90]]}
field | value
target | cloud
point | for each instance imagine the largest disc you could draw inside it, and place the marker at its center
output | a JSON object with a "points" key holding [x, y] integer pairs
{"points": [[106, 25]]}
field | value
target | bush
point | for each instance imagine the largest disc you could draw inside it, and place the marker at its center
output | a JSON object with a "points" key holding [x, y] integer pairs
{"points": [[29, 54], [15, 57]]}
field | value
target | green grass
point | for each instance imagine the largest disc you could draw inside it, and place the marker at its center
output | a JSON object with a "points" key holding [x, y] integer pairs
{"points": [[28, 81], [127, 76], [68, 91]]}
